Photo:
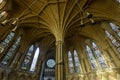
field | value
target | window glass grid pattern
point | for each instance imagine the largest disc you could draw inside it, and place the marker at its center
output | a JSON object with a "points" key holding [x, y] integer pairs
{"points": [[114, 41], [115, 28], [77, 62], [91, 57], [70, 62], [11, 52], [99, 55], [6, 41], [28, 58]]}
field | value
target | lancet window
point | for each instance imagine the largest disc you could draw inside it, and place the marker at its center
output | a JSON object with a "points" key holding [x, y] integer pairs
{"points": [[35, 58], [91, 57], [28, 58], [115, 28], [77, 62], [113, 40], [11, 51], [5, 43], [99, 55], [74, 63], [70, 62]]}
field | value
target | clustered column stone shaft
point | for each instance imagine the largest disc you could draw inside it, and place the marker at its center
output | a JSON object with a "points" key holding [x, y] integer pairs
{"points": [[59, 60]]}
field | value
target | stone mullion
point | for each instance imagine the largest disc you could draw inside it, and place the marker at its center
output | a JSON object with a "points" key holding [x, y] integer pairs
{"points": [[114, 48], [33, 53], [88, 66], [108, 60], [81, 60], [113, 33], [112, 52], [14, 58], [72, 53], [8, 47], [116, 36], [16, 63], [39, 67], [84, 58], [96, 58], [66, 63], [105, 55], [20, 61]]}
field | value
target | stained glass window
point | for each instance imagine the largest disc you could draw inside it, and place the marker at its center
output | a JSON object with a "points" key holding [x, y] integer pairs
{"points": [[11, 51], [115, 28], [33, 66], [6, 41], [77, 62], [28, 58], [114, 41], [91, 57], [70, 62], [99, 55]]}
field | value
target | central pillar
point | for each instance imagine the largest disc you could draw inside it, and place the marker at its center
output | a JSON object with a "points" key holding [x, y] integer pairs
{"points": [[59, 61]]}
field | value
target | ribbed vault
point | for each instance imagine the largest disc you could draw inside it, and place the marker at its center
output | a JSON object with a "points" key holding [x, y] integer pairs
{"points": [[60, 17]]}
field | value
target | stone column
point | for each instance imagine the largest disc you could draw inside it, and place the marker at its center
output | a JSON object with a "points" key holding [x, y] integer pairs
{"points": [[59, 61]]}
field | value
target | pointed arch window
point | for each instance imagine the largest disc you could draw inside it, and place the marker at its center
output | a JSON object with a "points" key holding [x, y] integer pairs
{"points": [[115, 28], [4, 44], [73, 62], [77, 62], [28, 57], [34, 62], [11, 51], [114, 41], [91, 57], [70, 62], [99, 55]]}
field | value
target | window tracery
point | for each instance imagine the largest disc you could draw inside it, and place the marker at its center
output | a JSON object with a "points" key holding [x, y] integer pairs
{"points": [[114, 41], [91, 57], [115, 28], [99, 55], [28, 58], [74, 63], [11, 51], [77, 62], [70, 62], [6, 41]]}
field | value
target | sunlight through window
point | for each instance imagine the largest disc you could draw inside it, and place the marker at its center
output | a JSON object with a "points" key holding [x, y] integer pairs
{"points": [[35, 60]]}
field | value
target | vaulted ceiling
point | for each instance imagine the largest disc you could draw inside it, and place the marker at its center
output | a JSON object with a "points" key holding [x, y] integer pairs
{"points": [[60, 19]]}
